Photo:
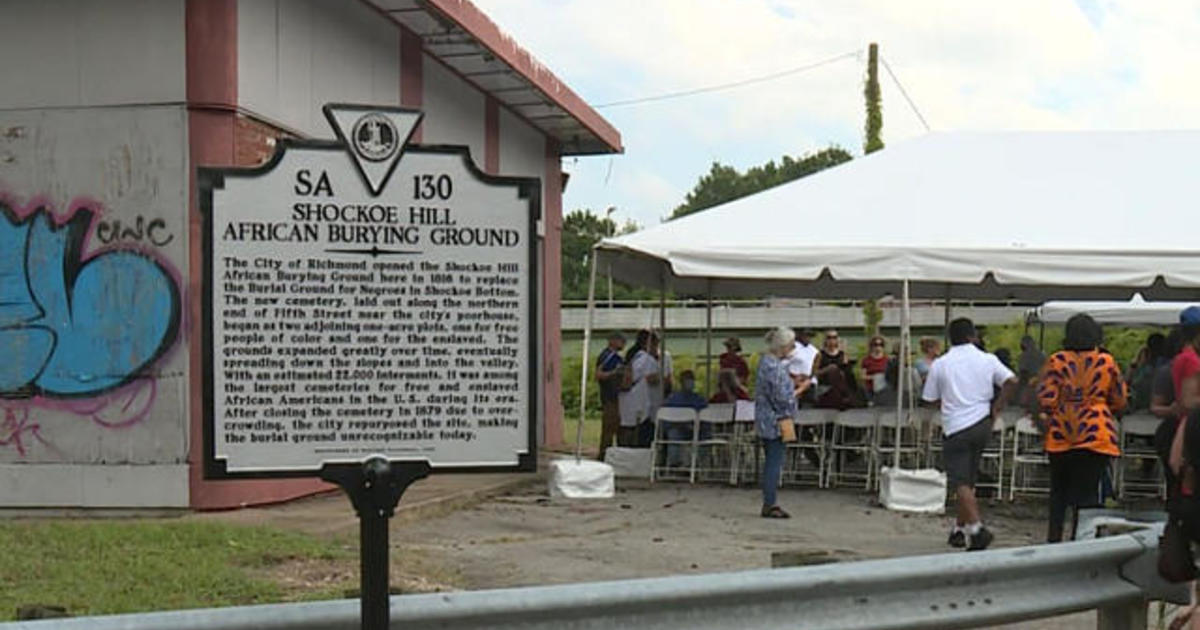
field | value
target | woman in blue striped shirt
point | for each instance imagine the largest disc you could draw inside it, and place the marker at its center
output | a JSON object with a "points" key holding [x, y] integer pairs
{"points": [[774, 400]]}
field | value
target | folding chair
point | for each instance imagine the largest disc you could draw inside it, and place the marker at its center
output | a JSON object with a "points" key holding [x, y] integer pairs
{"points": [[932, 436], [992, 464], [670, 417], [854, 434], [910, 439], [714, 442], [1136, 478], [1030, 466], [745, 443], [810, 424]]}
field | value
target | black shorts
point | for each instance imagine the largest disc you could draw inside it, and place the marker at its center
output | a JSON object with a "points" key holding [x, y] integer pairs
{"points": [[963, 451]]}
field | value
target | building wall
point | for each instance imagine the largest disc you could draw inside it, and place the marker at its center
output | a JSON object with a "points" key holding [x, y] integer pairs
{"points": [[340, 59], [522, 148], [93, 256], [296, 55], [522, 152], [97, 155], [50, 53], [454, 110]]}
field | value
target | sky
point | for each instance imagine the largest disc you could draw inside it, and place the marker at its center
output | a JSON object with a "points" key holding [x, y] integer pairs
{"points": [[1021, 64]]}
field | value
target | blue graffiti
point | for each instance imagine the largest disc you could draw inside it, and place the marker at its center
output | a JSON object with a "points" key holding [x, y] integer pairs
{"points": [[71, 327]]}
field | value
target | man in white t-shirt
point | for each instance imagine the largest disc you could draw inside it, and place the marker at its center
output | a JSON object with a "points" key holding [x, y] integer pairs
{"points": [[964, 382]]}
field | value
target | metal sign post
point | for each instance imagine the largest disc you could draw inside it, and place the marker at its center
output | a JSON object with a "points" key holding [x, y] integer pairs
{"points": [[369, 318], [374, 489]]}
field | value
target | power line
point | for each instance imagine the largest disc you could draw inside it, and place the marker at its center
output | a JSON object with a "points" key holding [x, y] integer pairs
{"points": [[904, 92], [734, 84]]}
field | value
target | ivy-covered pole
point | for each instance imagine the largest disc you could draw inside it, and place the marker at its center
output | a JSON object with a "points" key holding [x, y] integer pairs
{"points": [[872, 141]]}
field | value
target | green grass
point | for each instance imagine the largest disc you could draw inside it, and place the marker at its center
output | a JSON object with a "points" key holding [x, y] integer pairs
{"points": [[591, 430], [106, 567]]}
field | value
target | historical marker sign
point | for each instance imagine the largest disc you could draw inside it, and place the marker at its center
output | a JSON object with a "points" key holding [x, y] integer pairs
{"points": [[364, 297]]}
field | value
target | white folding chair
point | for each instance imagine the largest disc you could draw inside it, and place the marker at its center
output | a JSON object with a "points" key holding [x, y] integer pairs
{"points": [[714, 442], [1030, 466], [1139, 473], [745, 443], [910, 439], [992, 462], [811, 439], [932, 435], [854, 435], [666, 418]]}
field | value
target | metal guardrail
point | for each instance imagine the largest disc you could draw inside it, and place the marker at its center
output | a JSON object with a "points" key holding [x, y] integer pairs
{"points": [[959, 590]]}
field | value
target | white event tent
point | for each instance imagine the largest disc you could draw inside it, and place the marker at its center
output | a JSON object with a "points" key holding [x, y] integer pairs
{"points": [[1020, 216], [1135, 312]]}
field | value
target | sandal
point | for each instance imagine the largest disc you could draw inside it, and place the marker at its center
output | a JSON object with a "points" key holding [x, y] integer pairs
{"points": [[774, 511]]}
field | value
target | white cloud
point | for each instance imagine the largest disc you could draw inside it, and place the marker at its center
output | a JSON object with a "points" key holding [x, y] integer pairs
{"points": [[652, 192], [1023, 64]]}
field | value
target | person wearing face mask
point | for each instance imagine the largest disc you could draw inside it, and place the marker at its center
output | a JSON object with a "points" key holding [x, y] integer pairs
{"points": [[874, 365], [687, 397]]}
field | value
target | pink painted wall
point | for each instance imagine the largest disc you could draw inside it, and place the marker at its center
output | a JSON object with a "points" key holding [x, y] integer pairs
{"points": [[212, 122]]}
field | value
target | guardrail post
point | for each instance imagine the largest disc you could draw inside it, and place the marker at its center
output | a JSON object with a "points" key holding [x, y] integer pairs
{"points": [[1142, 571], [1127, 616]]}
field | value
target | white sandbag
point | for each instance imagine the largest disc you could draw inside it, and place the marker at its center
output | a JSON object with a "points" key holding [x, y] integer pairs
{"points": [[629, 462], [585, 479], [921, 490]]}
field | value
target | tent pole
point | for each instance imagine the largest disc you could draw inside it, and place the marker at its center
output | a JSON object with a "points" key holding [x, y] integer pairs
{"points": [[946, 320], [902, 382], [610, 298], [587, 341], [662, 333], [708, 343]]}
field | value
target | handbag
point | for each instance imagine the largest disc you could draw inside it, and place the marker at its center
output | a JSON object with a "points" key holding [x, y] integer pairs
{"points": [[787, 430], [1175, 561]]}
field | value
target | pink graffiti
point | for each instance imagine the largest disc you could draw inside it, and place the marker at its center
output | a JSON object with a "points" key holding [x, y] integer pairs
{"points": [[16, 427], [119, 409]]}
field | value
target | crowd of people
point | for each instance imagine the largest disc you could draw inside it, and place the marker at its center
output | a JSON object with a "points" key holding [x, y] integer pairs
{"points": [[637, 380], [1076, 397]]}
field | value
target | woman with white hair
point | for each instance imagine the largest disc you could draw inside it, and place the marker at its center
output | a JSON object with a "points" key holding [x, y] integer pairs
{"points": [[774, 401]]}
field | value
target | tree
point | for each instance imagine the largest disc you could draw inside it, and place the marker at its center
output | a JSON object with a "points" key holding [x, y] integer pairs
{"points": [[724, 183], [582, 229], [872, 317]]}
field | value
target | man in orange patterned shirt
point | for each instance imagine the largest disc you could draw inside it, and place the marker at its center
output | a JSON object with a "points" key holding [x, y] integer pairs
{"points": [[1080, 392]]}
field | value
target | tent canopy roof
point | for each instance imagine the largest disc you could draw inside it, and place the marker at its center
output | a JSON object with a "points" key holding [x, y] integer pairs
{"points": [[1026, 215], [1136, 312]]}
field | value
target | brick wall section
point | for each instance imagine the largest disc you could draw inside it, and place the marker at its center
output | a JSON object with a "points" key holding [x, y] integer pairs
{"points": [[254, 141]]}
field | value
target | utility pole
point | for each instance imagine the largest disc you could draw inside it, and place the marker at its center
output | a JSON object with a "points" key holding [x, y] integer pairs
{"points": [[874, 138], [872, 142]]}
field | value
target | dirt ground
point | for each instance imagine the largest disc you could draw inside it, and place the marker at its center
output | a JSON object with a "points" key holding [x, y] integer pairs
{"points": [[668, 529], [524, 538]]}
